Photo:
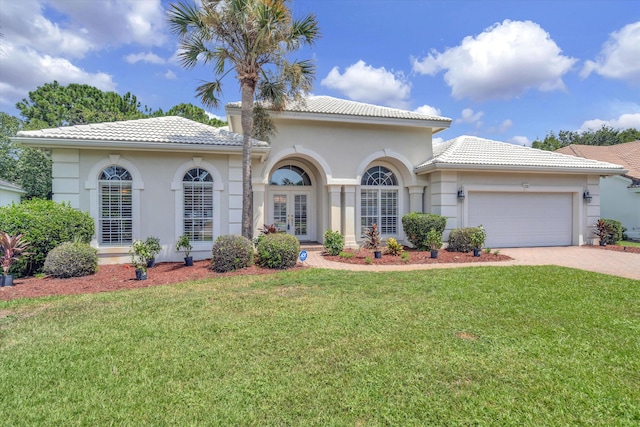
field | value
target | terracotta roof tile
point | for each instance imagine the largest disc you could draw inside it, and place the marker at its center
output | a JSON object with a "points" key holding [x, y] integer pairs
{"points": [[627, 155]]}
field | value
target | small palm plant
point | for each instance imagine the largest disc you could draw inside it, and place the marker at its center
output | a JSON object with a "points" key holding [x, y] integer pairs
{"points": [[372, 239]]}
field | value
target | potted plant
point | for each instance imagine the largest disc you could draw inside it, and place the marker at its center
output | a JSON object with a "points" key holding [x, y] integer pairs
{"points": [[140, 256], [12, 248], [153, 244], [433, 242], [477, 238], [604, 231], [184, 244], [372, 240]]}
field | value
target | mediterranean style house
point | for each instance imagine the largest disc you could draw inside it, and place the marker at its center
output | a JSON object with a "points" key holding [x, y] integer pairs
{"points": [[333, 164]]}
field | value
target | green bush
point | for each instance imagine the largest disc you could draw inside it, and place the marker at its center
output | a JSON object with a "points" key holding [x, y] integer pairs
{"points": [[71, 259], [45, 224], [393, 247], [416, 226], [333, 242], [278, 251], [616, 231], [231, 252], [461, 239]]}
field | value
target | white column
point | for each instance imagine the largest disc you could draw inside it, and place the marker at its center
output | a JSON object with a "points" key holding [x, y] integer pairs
{"points": [[350, 216], [335, 207], [259, 208]]}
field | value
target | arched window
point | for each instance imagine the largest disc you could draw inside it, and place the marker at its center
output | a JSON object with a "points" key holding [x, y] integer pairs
{"points": [[290, 175], [115, 219], [198, 205], [379, 200]]}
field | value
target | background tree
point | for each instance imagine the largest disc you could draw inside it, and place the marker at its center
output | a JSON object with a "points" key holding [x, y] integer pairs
{"points": [[252, 38], [197, 114], [604, 136]]}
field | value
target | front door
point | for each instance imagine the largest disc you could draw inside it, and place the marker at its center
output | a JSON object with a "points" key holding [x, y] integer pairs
{"points": [[290, 212]]}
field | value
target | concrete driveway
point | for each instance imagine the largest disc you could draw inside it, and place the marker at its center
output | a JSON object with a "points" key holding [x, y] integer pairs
{"points": [[596, 260]]}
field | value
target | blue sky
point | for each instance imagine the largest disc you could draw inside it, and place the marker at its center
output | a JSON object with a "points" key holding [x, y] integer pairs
{"points": [[505, 70]]}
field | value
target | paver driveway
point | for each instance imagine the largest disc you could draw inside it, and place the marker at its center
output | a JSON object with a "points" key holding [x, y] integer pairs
{"points": [[600, 261]]}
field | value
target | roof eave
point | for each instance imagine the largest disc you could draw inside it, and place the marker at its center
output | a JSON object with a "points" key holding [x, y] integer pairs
{"points": [[435, 167], [437, 125], [135, 145]]}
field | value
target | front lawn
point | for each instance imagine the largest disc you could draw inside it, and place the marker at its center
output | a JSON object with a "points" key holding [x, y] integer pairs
{"points": [[470, 346], [628, 243]]}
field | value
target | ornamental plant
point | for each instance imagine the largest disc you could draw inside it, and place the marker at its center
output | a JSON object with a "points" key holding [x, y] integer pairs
{"points": [[153, 244], [477, 237], [140, 255], [333, 242], [416, 225], [393, 247], [12, 248], [278, 251], [183, 244], [372, 239], [433, 240], [230, 253], [71, 259]]}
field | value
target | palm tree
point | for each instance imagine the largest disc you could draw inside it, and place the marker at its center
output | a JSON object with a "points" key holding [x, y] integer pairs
{"points": [[252, 38]]}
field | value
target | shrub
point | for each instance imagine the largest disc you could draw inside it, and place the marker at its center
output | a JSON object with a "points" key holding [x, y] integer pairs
{"points": [[45, 224], [71, 259], [347, 255], [393, 247], [278, 251], [372, 238], [416, 226], [433, 241], [477, 237], [231, 252], [333, 242], [460, 239], [616, 231], [153, 244]]}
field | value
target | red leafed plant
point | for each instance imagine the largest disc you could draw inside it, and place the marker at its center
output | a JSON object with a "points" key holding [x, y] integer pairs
{"points": [[11, 249]]}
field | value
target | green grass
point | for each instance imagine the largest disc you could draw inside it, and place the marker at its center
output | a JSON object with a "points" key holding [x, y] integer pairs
{"points": [[468, 346], [628, 243]]}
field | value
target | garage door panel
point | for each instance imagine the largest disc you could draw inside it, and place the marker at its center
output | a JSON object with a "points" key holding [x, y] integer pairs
{"points": [[522, 219]]}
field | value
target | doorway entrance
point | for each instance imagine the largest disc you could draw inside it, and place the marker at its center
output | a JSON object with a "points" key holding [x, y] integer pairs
{"points": [[291, 201]]}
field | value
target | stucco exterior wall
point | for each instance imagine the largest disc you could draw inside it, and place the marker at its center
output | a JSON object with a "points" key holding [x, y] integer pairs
{"points": [[444, 186], [8, 197], [621, 203]]}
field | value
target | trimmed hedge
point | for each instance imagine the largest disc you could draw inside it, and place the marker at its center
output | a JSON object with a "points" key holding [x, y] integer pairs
{"points": [[45, 224], [230, 253], [460, 239], [71, 259], [278, 251], [416, 225]]}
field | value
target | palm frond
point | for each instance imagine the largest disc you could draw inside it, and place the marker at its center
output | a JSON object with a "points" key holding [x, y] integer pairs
{"points": [[210, 92]]}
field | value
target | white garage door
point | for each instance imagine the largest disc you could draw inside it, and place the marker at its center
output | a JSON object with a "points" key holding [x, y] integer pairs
{"points": [[522, 219]]}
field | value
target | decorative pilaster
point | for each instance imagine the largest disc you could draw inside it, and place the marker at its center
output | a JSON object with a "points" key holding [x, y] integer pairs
{"points": [[350, 216]]}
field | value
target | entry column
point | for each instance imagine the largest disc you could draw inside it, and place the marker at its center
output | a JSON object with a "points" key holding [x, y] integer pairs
{"points": [[335, 207], [350, 216], [259, 208]]}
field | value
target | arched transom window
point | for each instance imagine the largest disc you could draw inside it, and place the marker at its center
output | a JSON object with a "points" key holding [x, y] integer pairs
{"points": [[290, 175], [198, 205], [379, 200], [115, 220]]}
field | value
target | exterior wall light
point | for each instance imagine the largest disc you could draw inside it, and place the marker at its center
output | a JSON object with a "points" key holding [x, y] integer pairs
{"points": [[461, 194], [586, 196]]}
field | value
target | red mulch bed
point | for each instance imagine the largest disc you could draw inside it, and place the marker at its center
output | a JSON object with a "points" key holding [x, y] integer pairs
{"points": [[119, 276], [630, 249], [416, 257]]}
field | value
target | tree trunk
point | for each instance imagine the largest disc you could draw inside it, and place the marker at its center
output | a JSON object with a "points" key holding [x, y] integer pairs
{"points": [[248, 90]]}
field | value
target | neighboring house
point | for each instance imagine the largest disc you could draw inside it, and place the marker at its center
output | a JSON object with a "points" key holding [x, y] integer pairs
{"points": [[10, 193], [619, 194], [333, 164]]}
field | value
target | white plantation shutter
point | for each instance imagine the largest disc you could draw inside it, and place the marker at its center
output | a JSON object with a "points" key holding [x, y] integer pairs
{"points": [[379, 200], [198, 205], [115, 221]]}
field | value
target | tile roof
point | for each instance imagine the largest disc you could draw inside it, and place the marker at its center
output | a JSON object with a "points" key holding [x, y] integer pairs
{"points": [[343, 107], [168, 129], [474, 152], [627, 155]]}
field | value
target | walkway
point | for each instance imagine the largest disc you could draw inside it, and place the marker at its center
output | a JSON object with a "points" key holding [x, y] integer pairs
{"points": [[599, 261]]}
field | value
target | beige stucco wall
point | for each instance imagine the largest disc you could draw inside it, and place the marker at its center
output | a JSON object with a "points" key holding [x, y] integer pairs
{"points": [[444, 186], [8, 197], [621, 203], [157, 177]]}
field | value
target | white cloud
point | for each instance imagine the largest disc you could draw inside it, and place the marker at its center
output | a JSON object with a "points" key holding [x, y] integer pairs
{"points": [[428, 110], [437, 140], [170, 75], [469, 116], [29, 69], [150, 57], [520, 140], [504, 61], [215, 116], [362, 82], [624, 121], [505, 125], [619, 57]]}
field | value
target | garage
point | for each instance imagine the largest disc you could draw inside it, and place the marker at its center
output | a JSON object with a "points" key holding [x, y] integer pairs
{"points": [[522, 219]]}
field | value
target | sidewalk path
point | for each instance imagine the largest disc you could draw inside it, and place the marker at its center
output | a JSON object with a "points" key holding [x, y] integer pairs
{"points": [[599, 261]]}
